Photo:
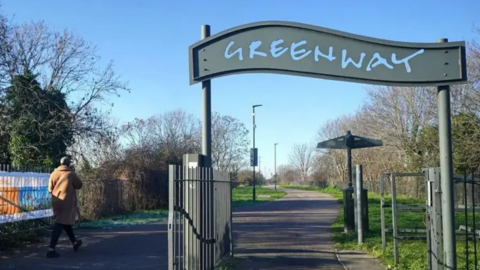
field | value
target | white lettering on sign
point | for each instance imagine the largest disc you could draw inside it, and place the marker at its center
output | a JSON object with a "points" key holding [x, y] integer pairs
{"points": [[350, 60], [379, 61], [405, 60], [238, 51], [318, 53], [276, 50], [298, 51], [253, 47], [299, 54]]}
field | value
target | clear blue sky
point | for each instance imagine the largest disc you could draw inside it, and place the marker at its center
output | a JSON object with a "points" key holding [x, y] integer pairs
{"points": [[148, 39]]}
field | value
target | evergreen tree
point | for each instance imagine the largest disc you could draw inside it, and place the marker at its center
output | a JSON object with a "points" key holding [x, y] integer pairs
{"points": [[40, 122]]}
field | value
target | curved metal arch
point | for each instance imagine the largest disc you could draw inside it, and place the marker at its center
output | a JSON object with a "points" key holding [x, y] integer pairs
{"points": [[439, 64]]}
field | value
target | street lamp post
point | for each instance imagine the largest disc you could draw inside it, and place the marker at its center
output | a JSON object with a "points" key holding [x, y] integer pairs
{"points": [[254, 158], [275, 164]]}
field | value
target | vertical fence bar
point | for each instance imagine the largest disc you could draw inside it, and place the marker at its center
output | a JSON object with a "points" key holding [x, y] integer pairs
{"points": [[231, 216], [465, 200], [178, 219], [176, 224], [202, 214], [208, 201], [193, 203], [171, 220], [196, 223], [199, 237], [181, 226], [194, 217], [225, 215], [181, 190], [188, 238], [186, 229], [218, 215], [428, 221], [207, 219], [437, 213], [394, 219], [474, 224], [382, 214], [211, 218], [212, 215]]}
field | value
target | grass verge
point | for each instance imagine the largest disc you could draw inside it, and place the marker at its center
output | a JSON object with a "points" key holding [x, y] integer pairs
{"points": [[130, 219], [413, 253], [242, 196]]}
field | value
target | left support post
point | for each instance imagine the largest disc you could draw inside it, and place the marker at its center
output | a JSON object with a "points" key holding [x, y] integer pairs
{"points": [[206, 111]]}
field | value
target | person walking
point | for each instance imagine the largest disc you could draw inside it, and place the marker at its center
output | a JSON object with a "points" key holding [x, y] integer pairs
{"points": [[62, 185]]}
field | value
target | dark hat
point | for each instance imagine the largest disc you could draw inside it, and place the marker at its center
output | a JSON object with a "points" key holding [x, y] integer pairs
{"points": [[66, 160]]}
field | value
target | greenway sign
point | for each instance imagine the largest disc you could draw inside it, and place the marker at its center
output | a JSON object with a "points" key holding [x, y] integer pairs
{"points": [[306, 50]]}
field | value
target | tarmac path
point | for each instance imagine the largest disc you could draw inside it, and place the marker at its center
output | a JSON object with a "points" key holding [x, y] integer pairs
{"points": [[291, 233]]}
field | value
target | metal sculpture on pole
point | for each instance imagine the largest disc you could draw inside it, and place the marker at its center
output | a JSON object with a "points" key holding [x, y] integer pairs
{"points": [[349, 142]]}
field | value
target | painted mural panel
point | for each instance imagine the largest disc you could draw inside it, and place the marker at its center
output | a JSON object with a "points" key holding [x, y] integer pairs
{"points": [[24, 196]]}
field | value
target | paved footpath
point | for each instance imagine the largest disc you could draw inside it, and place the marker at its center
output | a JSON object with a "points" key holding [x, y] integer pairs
{"points": [[139, 247], [291, 233]]}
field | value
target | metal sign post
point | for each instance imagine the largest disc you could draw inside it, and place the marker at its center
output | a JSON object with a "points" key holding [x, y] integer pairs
{"points": [[206, 111], [446, 167]]}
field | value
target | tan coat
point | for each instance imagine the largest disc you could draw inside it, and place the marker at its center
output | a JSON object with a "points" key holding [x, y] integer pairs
{"points": [[63, 184]]}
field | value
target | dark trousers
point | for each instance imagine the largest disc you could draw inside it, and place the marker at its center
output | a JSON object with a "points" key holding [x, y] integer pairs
{"points": [[57, 231]]}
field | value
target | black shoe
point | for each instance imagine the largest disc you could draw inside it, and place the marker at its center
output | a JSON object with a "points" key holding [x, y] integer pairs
{"points": [[52, 254], [77, 245]]}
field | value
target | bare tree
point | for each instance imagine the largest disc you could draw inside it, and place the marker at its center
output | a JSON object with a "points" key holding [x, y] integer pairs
{"points": [[170, 135], [287, 174], [324, 169], [96, 151], [65, 62], [164, 137], [332, 129], [229, 142], [302, 158], [236, 167]]}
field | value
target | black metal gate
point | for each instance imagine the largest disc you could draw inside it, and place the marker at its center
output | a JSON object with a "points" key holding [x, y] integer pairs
{"points": [[466, 219], [200, 218]]}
